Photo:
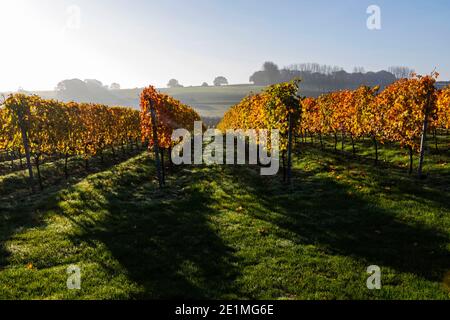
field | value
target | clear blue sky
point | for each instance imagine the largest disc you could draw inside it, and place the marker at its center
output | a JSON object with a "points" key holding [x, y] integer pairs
{"points": [[137, 42]]}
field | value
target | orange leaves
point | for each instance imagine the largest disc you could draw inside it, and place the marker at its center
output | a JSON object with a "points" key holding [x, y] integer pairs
{"points": [[311, 117], [396, 114], [171, 114], [340, 112], [267, 110], [406, 102], [443, 109]]}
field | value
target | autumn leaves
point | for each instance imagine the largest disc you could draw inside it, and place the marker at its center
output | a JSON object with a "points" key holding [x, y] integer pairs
{"points": [[37, 128], [402, 113]]}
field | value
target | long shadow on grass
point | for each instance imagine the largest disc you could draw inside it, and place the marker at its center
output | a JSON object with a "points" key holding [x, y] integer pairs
{"points": [[323, 212], [14, 187], [369, 158], [164, 240], [20, 210], [434, 189]]}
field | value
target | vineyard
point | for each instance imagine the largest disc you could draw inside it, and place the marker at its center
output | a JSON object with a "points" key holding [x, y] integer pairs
{"points": [[160, 116], [140, 227], [404, 113], [34, 130], [37, 129]]}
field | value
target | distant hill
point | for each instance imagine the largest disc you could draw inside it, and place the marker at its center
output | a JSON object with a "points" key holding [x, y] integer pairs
{"points": [[208, 101], [442, 84]]}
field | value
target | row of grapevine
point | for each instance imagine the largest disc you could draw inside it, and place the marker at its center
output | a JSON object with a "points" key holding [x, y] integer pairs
{"points": [[402, 113], [160, 116], [277, 108], [442, 119], [267, 110], [32, 126]]}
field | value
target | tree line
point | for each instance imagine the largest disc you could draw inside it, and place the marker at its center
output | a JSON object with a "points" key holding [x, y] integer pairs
{"points": [[218, 81], [327, 78]]}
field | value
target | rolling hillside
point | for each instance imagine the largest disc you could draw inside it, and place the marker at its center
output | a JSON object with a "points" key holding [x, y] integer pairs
{"points": [[208, 101]]}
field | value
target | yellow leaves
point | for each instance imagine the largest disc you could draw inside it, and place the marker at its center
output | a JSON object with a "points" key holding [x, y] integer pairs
{"points": [[267, 110], [407, 101], [343, 111], [442, 117], [67, 128]]}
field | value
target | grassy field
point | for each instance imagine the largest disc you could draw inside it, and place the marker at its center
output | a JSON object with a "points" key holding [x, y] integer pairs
{"points": [[212, 101], [207, 101], [226, 232]]}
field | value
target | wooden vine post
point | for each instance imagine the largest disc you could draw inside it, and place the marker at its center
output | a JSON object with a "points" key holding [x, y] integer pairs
{"points": [[26, 143], [423, 139], [295, 114], [290, 138], [156, 145]]}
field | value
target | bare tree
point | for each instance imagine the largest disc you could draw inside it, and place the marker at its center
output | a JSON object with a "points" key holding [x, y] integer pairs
{"points": [[401, 72], [314, 68]]}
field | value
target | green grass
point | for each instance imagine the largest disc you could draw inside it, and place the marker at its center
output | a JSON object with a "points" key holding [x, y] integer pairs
{"points": [[226, 232], [14, 184], [212, 101]]}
